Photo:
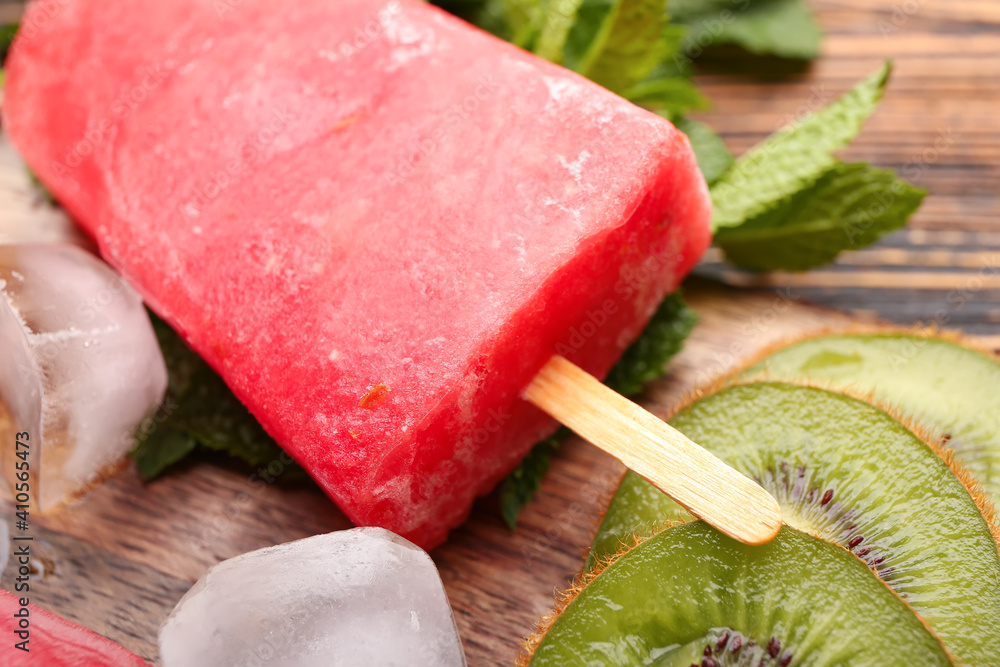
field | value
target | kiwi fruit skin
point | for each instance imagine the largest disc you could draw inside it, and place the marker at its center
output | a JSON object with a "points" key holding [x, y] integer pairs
{"points": [[671, 599], [849, 473], [942, 384]]}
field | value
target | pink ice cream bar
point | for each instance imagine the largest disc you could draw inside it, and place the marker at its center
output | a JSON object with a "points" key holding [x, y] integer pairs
{"points": [[374, 220]]}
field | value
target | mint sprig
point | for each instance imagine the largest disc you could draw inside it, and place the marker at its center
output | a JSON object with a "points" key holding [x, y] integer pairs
{"points": [[847, 209], [519, 487], [199, 413], [617, 43], [661, 340], [790, 204], [628, 46], [8, 31], [783, 28], [669, 92], [714, 159], [794, 158]]}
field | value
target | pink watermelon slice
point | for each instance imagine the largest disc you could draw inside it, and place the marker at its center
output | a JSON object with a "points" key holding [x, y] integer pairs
{"points": [[39, 637], [375, 221]]}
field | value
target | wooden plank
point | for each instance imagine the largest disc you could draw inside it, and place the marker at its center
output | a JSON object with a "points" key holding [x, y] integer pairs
{"points": [[989, 278], [214, 512], [100, 588], [953, 10], [902, 257]]}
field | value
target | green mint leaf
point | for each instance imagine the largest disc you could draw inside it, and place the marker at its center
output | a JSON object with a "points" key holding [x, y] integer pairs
{"points": [[645, 360], [559, 17], [668, 89], [794, 158], [199, 413], [627, 46], [714, 159], [848, 208], [490, 15], [669, 96], [524, 18], [160, 450], [7, 33], [617, 43], [783, 28], [519, 487]]}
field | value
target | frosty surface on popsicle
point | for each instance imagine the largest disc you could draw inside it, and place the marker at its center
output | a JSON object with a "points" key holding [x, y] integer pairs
{"points": [[375, 221]]}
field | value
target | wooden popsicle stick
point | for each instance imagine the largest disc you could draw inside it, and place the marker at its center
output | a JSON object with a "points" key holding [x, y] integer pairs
{"points": [[687, 472]]}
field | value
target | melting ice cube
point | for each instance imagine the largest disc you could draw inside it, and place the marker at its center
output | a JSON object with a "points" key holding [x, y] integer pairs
{"points": [[81, 367], [357, 597]]}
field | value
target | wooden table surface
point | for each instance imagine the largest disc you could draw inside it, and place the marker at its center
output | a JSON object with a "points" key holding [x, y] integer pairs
{"points": [[939, 125], [118, 560]]}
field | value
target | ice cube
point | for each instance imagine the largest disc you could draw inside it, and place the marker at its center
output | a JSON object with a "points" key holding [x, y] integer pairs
{"points": [[358, 597], [81, 370], [25, 215]]}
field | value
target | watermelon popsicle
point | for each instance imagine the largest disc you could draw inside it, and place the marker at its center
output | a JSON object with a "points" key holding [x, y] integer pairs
{"points": [[375, 221]]}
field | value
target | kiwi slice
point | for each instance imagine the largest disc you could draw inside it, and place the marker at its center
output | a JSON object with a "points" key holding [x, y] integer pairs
{"points": [[936, 380], [849, 473], [692, 596]]}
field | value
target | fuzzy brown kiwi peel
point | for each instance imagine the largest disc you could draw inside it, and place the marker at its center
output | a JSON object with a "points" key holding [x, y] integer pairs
{"points": [[692, 596], [847, 472]]}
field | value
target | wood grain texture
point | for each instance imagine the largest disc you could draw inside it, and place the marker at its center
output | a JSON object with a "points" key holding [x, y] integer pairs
{"points": [[119, 559], [938, 125]]}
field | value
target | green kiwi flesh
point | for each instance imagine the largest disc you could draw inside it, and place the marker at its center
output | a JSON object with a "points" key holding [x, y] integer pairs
{"points": [[940, 383], [692, 596], [848, 473]]}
